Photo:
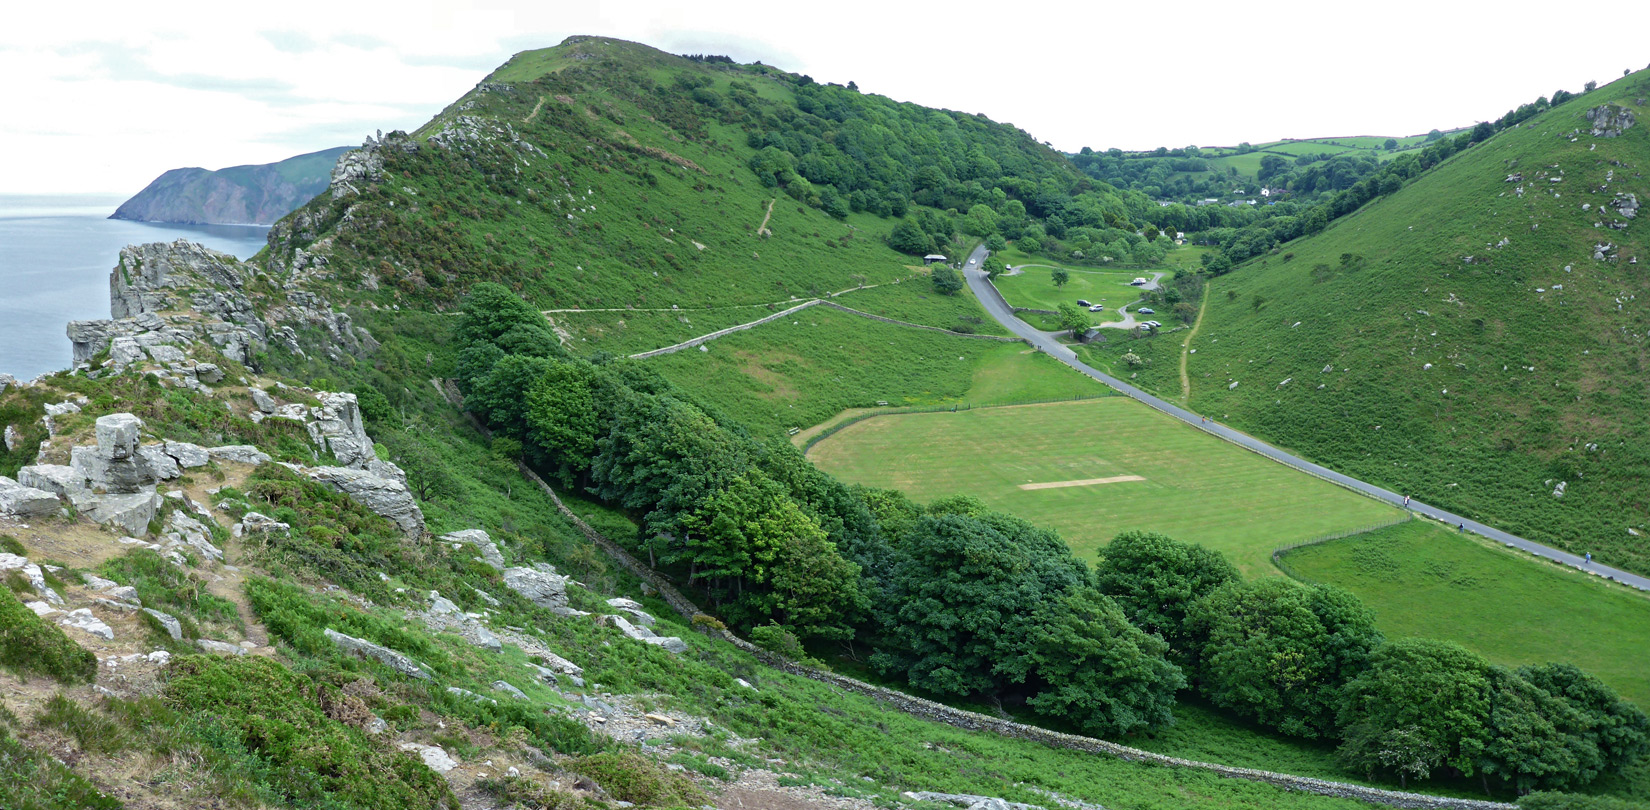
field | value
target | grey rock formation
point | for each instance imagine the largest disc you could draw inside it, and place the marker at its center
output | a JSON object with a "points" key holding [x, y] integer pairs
{"points": [[670, 643], [483, 543], [32, 573], [219, 647], [634, 609], [444, 615], [115, 465], [187, 456], [506, 688], [161, 465], [1609, 120], [433, 757], [23, 501], [966, 800], [337, 427], [646, 636], [185, 531], [388, 657], [130, 513], [262, 400], [384, 496], [239, 453], [14, 439], [359, 168], [83, 620], [124, 351], [544, 590], [254, 524], [173, 627]]}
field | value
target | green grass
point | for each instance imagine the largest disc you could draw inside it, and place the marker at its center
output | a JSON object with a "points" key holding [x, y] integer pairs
{"points": [[1425, 580], [1196, 488], [800, 371], [1034, 288], [1478, 433]]}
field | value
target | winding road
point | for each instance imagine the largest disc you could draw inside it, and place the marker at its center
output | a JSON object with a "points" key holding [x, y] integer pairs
{"points": [[993, 302]]}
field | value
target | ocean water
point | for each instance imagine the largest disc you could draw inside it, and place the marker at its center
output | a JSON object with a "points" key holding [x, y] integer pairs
{"points": [[55, 256]]}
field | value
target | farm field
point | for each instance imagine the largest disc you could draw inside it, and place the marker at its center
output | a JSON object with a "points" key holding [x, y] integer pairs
{"points": [[1146, 471], [1033, 288], [1424, 580]]}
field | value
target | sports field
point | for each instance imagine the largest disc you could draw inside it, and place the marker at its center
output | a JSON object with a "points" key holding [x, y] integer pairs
{"points": [[1171, 477], [1424, 580]]}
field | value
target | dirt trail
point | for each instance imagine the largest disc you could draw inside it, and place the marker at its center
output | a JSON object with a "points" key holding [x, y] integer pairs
{"points": [[1186, 346], [535, 112], [762, 230]]}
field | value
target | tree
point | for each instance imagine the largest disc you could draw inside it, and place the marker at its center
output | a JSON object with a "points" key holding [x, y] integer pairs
{"points": [[1280, 652], [909, 237], [1060, 275], [995, 243], [1389, 144], [946, 280], [1097, 670], [1617, 729], [563, 421], [1073, 319], [1589, 87], [992, 267], [1156, 580], [1438, 688], [493, 314]]}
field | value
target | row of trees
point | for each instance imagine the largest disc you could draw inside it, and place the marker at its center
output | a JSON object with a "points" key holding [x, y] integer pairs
{"points": [[1309, 661]]}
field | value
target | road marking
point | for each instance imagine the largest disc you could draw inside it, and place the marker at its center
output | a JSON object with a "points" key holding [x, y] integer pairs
{"points": [[1116, 479]]}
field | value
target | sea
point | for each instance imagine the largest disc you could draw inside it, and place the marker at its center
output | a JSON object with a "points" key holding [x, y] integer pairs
{"points": [[56, 252]]}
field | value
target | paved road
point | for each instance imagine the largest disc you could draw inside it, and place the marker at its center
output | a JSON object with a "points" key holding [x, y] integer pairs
{"points": [[999, 309]]}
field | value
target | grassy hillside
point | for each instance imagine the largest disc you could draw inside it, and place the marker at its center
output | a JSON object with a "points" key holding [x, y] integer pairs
{"points": [[1474, 338]]}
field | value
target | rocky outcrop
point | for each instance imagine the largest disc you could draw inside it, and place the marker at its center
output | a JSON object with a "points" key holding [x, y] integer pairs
{"points": [[237, 195], [444, 615], [172, 277], [1609, 120], [384, 655], [168, 622], [385, 496], [483, 543], [19, 500], [545, 589], [83, 620], [646, 636], [358, 169], [633, 609], [32, 573]]}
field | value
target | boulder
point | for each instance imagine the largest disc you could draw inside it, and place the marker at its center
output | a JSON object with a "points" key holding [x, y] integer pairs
{"points": [[163, 466], [83, 620], [482, 542], [384, 655], [384, 496], [634, 609], [14, 439], [239, 453], [173, 627], [262, 400], [183, 530], [337, 427], [670, 643], [208, 373], [187, 456], [544, 590], [131, 512], [434, 758], [255, 524], [19, 500], [55, 478], [31, 572], [219, 647], [506, 688], [124, 351]]}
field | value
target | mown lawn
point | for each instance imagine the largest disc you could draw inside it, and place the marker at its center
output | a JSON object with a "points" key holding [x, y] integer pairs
{"points": [[1424, 580], [1196, 488], [1033, 288]]}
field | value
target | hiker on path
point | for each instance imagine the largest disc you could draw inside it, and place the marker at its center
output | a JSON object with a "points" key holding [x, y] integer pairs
{"points": [[1589, 558], [1406, 501]]}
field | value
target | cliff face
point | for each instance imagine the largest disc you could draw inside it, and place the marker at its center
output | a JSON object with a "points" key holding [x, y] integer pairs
{"points": [[238, 195]]}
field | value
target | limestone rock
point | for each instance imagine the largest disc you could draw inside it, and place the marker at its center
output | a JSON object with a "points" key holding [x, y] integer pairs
{"points": [[208, 373], [83, 620], [506, 688], [131, 512], [163, 466], [633, 609], [183, 530], [40, 609], [384, 496], [544, 590], [174, 628], [239, 453], [338, 428], [23, 501], [388, 657], [262, 400], [482, 542], [255, 524], [31, 572], [187, 456], [14, 439], [219, 647], [670, 643], [1609, 120], [124, 351], [434, 758]]}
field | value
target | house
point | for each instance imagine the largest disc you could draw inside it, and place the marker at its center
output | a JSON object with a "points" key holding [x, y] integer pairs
{"points": [[1092, 335], [931, 258]]}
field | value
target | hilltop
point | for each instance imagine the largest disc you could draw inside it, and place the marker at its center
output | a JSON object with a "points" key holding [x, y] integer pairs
{"points": [[1473, 336], [257, 194]]}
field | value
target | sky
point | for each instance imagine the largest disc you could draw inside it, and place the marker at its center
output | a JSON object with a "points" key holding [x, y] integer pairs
{"points": [[100, 97]]}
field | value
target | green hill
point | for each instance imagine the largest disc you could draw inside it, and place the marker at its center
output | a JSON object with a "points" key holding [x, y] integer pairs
{"points": [[1474, 338]]}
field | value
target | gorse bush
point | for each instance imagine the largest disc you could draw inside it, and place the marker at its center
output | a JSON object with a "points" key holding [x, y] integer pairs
{"points": [[29, 645]]}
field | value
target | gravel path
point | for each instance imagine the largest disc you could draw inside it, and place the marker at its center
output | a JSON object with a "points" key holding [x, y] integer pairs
{"points": [[999, 309]]}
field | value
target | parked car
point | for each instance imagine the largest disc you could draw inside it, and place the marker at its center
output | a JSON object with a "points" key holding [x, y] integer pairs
{"points": [[1097, 307], [1139, 282], [1146, 311], [1154, 324], [1082, 303]]}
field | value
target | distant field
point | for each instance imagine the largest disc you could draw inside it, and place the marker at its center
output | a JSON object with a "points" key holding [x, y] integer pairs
{"points": [[1424, 580], [1034, 288], [1196, 488]]}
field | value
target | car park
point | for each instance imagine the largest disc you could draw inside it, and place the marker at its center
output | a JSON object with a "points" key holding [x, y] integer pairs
{"points": [[1082, 303], [1097, 307], [1146, 311]]}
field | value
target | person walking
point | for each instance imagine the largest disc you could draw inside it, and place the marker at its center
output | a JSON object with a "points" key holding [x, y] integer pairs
{"points": [[1406, 501], [1589, 558], [1461, 528]]}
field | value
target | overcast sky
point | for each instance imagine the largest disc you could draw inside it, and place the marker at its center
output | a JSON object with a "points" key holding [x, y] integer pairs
{"points": [[103, 96]]}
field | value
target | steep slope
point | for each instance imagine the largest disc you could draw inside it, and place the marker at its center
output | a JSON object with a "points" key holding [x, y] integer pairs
{"points": [[237, 195], [1475, 338]]}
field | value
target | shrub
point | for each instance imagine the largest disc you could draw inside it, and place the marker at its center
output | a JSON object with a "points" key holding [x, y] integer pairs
{"points": [[315, 759], [630, 778], [28, 644], [93, 732]]}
